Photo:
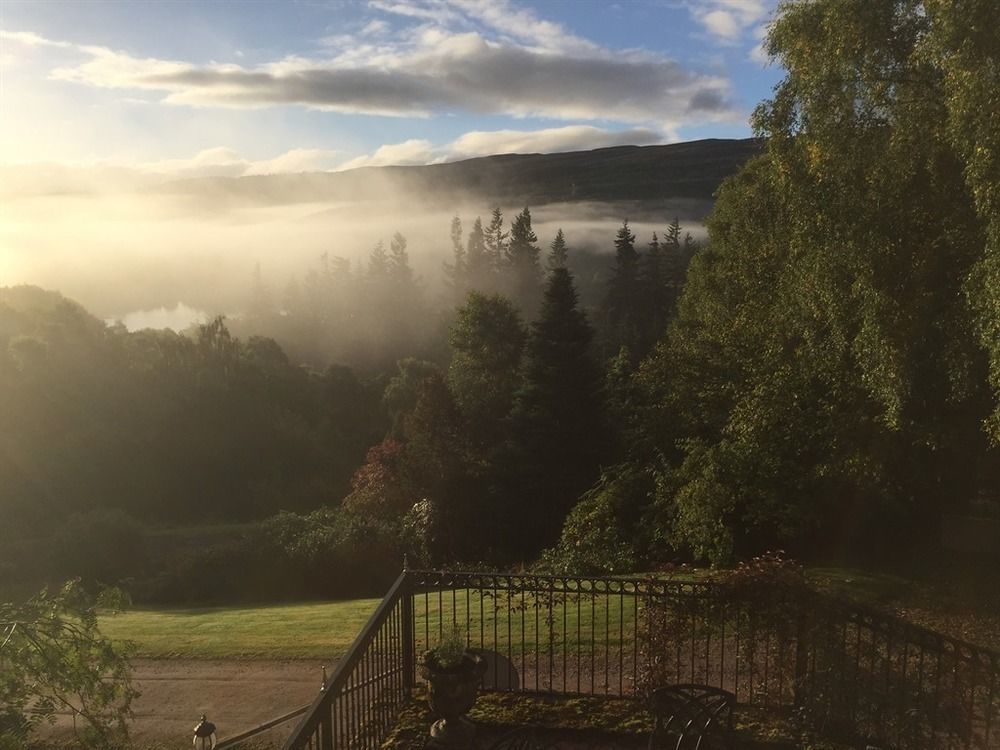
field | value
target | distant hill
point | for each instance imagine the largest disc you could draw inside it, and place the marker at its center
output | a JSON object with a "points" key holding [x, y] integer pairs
{"points": [[690, 170]]}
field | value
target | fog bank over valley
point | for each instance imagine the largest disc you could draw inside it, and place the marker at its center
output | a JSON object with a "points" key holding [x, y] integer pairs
{"points": [[161, 253]]}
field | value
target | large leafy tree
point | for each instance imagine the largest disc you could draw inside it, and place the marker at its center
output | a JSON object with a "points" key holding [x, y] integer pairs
{"points": [[836, 358]]}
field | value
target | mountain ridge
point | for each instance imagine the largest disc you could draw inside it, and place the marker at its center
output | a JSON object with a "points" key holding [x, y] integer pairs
{"points": [[687, 170]]}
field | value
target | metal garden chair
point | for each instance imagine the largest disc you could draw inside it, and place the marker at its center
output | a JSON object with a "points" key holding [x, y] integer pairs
{"points": [[699, 716]]}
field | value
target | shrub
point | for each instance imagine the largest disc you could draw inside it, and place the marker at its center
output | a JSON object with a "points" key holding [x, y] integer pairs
{"points": [[101, 546], [596, 538]]}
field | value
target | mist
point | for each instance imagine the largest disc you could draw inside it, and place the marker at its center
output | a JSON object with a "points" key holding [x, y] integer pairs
{"points": [[165, 257]]}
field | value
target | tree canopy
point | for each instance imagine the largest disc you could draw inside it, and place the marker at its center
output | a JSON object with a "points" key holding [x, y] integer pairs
{"points": [[833, 368]]}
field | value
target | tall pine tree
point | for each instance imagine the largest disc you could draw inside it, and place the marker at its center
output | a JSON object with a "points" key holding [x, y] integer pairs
{"points": [[457, 272], [557, 251], [495, 241], [557, 421], [477, 260], [522, 267], [623, 304]]}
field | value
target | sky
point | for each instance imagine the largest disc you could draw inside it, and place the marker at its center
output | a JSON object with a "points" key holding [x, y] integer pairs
{"points": [[238, 88]]}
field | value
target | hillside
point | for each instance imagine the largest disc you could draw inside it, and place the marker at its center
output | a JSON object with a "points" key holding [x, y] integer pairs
{"points": [[624, 173]]}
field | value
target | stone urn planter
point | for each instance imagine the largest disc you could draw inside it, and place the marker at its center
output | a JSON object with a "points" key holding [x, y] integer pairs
{"points": [[453, 684]]}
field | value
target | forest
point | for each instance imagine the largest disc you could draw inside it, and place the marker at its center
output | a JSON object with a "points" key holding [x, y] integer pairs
{"points": [[821, 375]]}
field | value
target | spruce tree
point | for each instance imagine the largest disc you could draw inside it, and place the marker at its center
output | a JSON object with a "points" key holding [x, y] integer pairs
{"points": [[523, 269], [495, 241], [557, 420], [557, 251], [399, 260], [623, 301], [378, 261], [656, 299], [457, 272], [477, 260]]}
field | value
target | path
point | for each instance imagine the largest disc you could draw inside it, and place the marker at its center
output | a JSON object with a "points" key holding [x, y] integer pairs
{"points": [[235, 694]]}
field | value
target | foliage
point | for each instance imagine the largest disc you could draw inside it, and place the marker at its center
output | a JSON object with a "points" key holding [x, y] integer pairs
{"points": [[449, 651], [522, 269], [165, 427], [323, 554], [487, 340], [596, 537], [101, 546], [557, 420], [54, 658], [623, 302], [826, 376]]}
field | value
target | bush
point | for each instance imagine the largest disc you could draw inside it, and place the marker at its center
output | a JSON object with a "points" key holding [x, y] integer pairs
{"points": [[289, 556], [101, 546], [596, 536]]}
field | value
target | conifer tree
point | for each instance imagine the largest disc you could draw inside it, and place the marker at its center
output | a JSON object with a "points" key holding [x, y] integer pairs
{"points": [[623, 301], [523, 269], [399, 260], [495, 241], [457, 272], [378, 262], [557, 251], [477, 260], [557, 418]]}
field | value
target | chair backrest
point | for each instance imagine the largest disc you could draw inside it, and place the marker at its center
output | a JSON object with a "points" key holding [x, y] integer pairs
{"points": [[501, 674], [695, 714]]}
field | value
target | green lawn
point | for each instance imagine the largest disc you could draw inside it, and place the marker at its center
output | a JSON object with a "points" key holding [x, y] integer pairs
{"points": [[325, 630], [285, 631]]}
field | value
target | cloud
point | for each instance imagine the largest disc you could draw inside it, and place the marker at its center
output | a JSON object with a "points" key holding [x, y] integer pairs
{"points": [[722, 24], [512, 63], [486, 143], [31, 39], [225, 162], [221, 161], [727, 21], [413, 151], [547, 141], [114, 177]]}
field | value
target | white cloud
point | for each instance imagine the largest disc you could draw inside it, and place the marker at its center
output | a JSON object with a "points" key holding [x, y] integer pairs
{"points": [[547, 141], [727, 21], [112, 177], [521, 66], [296, 160], [486, 143], [723, 24], [225, 162], [31, 39], [413, 151]]}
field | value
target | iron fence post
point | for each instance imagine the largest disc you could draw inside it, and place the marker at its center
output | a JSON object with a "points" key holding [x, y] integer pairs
{"points": [[407, 632], [326, 728]]}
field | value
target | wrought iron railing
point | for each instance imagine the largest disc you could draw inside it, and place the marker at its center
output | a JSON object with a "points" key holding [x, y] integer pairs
{"points": [[358, 703], [846, 670]]}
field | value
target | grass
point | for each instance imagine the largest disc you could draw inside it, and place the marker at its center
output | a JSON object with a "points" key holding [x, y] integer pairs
{"points": [[325, 630], [280, 631]]}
